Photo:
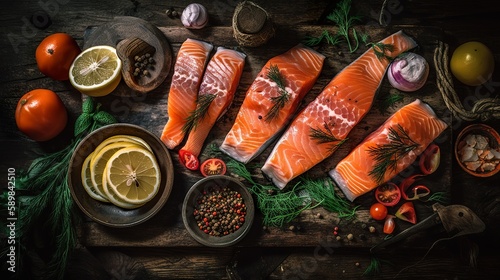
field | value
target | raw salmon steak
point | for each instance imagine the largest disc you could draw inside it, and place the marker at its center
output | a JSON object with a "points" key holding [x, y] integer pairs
{"points": [[260, 118], [186, 79], [325, 122], [415, 125], [217, 89]]}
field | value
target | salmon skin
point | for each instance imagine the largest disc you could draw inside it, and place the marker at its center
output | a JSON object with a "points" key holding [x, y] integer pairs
{"points": [[217, 89], [354, 174], [324, 123], [188, 72], [254, 127]]}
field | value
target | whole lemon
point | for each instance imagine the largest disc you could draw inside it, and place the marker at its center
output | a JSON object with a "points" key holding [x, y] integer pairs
{"points": [[472, 63]]}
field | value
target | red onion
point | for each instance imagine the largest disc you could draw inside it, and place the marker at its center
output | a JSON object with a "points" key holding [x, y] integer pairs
{"points": [[408, 72]]}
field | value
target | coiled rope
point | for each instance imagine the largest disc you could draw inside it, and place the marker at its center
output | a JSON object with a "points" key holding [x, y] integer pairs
{"points": [[484, 109]]}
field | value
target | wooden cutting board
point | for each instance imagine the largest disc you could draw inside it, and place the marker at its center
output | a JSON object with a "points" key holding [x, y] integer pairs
{"points": [[150, 111]]}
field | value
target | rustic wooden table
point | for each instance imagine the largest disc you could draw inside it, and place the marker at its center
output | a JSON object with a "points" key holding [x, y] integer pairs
{"points": [[161, 247]]}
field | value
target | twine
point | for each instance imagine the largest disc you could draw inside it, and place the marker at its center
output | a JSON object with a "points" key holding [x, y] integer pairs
{"points": [[484, 109], [257, 39]]}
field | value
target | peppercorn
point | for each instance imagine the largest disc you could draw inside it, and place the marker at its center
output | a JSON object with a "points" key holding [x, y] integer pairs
{"points": [[143, 63], [218, 201]]}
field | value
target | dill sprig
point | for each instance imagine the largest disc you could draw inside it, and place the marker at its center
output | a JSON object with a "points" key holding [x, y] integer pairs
{"points": [[380, 49], [202, 105], [312, 41], [386, 156], [283, 97], [342, 17], [389, 101], [45, 203], [326, 136]]}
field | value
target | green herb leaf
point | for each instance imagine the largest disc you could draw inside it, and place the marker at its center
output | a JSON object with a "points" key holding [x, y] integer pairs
{"points": [[386, 156], [345, 21], [202, 105], [326, 136], [381, 50], [389, 101], [283, 97]]}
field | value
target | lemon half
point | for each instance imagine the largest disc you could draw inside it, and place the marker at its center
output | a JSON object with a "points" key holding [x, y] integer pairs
{"points": [[96, 71]]}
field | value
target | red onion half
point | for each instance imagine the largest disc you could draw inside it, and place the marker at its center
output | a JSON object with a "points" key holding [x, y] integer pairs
{"points": [[408, 72]]}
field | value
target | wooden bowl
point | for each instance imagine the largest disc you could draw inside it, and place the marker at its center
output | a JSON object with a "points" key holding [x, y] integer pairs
{"points": [[493, 140], [209, 184], [106, 213]]}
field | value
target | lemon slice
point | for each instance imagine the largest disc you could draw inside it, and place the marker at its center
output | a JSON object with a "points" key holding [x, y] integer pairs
{"points": [[98, 164], [133, 175], [113, 198], [96, 71], [130, 139], [87, 182]]}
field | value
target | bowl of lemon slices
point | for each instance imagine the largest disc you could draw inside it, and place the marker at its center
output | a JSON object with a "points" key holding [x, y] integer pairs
{"points": [[120, 175]]}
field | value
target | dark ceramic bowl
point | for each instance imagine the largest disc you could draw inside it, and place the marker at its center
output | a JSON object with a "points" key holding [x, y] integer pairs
{"points": [[477, 129], [107, 213], [209, 184]]}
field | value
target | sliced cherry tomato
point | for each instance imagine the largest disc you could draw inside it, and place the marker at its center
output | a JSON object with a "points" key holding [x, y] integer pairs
{"points": [[213, 166], [389, 224], [378, 211], [388, 194], [189, 160], [407, 213]]}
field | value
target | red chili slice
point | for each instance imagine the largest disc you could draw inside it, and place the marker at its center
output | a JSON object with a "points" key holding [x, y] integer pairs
{"points": [[406, 183], [213, 166], [189, 160], [407, 213], [388, 194]]}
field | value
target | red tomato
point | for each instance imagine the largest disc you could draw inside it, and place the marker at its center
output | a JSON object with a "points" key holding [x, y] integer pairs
{"points": [[189, 160], [388, 194], [389, 224], [55, 54], [41, 115], [213, 166], [378, 211]]}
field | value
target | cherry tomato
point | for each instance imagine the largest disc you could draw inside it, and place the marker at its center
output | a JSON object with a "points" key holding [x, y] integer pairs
{"points": [[378, 211], [189, 160], [213, 166], [472, 63], [41, 115], [388, 194], [55, 54], [389, 224]]}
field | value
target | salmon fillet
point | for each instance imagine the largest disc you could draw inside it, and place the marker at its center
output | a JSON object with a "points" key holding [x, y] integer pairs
{"points": [[324, 124], [188, 71], [354, 174], [219, 84], [254, 127]]}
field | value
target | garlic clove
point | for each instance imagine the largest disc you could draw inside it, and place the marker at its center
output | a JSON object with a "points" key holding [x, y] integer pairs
{"points": [[194, 16]]}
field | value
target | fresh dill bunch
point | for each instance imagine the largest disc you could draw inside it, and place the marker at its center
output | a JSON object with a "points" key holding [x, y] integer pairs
{"points": [[386, 156], [342, 17], [380, 49], [323, 192], [203, 102], [326, 136], [283, 96]]}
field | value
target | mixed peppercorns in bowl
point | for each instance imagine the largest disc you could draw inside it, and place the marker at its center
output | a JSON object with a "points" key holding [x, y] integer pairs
{"points": [[218, 211]]}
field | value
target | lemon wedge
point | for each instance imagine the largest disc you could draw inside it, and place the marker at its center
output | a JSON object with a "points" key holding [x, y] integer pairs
{"points": [[96, 71], [133, 175]]}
